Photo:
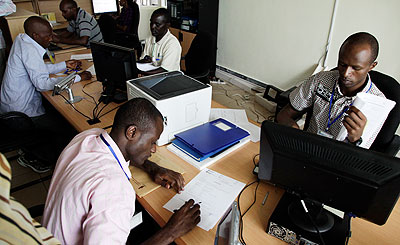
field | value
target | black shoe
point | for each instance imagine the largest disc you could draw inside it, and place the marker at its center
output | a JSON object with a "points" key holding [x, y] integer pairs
{"points": [[34, 164]]}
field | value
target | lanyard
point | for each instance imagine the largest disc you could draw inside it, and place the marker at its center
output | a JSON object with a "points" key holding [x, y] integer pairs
{"points": [[330, 122], [115, 155]]}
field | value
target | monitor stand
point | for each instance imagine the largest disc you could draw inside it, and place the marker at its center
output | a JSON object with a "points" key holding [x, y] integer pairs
{"points": [[282, 226]]}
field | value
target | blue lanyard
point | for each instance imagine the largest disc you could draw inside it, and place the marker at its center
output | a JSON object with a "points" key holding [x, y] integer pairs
{"points": [[115, 155], [330, 122]]}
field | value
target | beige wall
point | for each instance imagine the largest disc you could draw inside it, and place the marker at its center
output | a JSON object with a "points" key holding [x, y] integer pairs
{"points": [[279, 42]]}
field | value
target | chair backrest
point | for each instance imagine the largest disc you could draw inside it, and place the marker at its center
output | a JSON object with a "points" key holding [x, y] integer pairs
{"points": [[391, 89], [199, 56]]}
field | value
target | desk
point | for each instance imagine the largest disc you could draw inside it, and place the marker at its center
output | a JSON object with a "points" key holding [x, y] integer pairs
{"points": [[238, 165]]}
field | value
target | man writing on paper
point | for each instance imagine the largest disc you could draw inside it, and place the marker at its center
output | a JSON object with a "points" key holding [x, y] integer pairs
{"points": [[27, 75], [82, 28], [331, 93], [91, 199], [162, 49]]}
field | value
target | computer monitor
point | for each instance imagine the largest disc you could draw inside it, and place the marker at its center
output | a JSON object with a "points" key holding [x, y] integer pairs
{"points": [[104, 6], [114, 65], [346, 177]]}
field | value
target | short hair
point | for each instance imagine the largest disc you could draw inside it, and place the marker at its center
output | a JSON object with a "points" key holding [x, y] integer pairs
{"points": [[164, 12], [364, 38], [72, 3], [139, 112], [30, 24]]}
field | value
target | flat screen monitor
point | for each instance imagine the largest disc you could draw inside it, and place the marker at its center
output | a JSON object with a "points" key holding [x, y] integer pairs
{"points": [[345, 177], [114, 65], [104, 6]]}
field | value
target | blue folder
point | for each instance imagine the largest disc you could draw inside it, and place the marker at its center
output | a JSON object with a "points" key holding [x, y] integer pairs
{"points": [[211, 137]]}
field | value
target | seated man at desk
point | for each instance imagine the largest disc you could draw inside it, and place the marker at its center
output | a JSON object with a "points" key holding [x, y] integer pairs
{"points": [[27, 75], [82, 28], [91, 199], [331, 93], [162, 49]]}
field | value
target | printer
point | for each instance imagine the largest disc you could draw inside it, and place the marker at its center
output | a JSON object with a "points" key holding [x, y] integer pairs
{"points": [[183, 101]]}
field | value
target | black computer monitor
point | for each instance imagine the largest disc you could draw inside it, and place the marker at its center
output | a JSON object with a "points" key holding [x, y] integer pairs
{"points": [[345, 177], [114, 65], [104, 6]]}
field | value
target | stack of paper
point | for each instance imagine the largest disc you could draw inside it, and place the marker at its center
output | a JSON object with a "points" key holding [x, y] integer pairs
{"points": [[214, 193]]}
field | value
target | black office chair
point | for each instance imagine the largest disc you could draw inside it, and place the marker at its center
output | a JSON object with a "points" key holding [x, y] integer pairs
{"points": [[387, 141], [198, 60]]}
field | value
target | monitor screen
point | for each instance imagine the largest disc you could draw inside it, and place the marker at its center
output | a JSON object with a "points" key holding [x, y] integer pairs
{"points": [[105, 6], [167, 85], [114, 65], [345, 177]]}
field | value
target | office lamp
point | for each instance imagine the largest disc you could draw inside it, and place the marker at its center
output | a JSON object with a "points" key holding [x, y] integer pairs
{"points": [[65, 84]]}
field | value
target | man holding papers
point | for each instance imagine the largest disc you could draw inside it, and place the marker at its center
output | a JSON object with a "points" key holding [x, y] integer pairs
{"points": [[331, 94], [91, 199]]}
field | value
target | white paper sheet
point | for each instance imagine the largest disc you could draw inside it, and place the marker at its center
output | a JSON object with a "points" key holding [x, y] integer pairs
{"points": [[91, 70], [376, 109], [146, 66], [214, 193], [81, 57], [238, 117]]}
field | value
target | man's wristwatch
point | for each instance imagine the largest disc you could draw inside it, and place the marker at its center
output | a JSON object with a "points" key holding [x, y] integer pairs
{"points": [[357, 142]]}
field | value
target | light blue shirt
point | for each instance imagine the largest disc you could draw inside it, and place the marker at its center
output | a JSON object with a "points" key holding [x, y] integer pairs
{"points": [[26, 76]]}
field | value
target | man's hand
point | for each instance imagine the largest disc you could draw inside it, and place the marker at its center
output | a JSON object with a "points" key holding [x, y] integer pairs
{"points": [[168, 178], [85, 75], [354, 122], [184, 219], [73, 64], [146, 59]]}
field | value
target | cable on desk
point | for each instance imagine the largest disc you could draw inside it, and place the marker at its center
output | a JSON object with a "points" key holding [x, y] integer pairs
{"points": [[241, 239], [312, 221], [254, 160], [101, 110], [94, 100], [74, 107], [109, 111]]}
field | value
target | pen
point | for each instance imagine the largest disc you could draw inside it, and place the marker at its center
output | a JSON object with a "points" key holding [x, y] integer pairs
{"points": [[265, 198], [50, 56]]}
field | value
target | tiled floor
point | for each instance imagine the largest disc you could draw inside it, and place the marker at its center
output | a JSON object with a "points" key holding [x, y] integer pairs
{"points": [[28, 195]]}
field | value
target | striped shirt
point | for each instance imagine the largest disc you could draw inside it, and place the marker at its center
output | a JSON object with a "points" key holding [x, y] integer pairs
{"points": [[85, 25], [17, 226], [316, 92]]}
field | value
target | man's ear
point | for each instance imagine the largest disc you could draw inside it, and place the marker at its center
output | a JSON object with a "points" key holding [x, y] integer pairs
{"points": [[131, 132], [372, 66]]}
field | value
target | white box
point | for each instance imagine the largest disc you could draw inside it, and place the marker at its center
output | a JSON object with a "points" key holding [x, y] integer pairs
{"points": [[182, 109]]}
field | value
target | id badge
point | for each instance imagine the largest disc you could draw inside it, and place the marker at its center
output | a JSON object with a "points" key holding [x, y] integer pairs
{"points": [[325, 134]]}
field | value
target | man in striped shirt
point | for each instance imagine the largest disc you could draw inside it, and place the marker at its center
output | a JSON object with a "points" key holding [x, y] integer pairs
{"points": [[82, 28]]}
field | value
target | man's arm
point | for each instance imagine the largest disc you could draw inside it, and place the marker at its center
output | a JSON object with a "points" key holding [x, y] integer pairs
{"points": [[287, 116], [71, 39], [162, 176]]}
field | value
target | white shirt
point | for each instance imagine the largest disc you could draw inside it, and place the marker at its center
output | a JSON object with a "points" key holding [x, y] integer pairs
{"points": [[90, 199], [26, 76], [165, 53]]}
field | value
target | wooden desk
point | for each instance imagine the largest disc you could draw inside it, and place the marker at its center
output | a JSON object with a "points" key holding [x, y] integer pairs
{"points": [[238, 165]]}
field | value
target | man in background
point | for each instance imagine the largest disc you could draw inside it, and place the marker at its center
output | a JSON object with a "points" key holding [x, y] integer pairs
{"points": [[162, 49], [331, 93], [26, 76], [82, 28]]}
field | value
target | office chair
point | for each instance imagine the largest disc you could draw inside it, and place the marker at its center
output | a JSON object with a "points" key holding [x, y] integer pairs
{"points": [[198, 60], [17, 131], [387, 141]]}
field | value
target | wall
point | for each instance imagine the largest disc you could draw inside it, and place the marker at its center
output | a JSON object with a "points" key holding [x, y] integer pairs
{"points": [[279, 42]]}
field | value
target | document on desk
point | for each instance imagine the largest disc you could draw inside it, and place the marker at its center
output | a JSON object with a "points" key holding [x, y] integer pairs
{"points": [[238, 117], [376, 109], [91, 70], [214, 193], [146, 66], [81, 57]]}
